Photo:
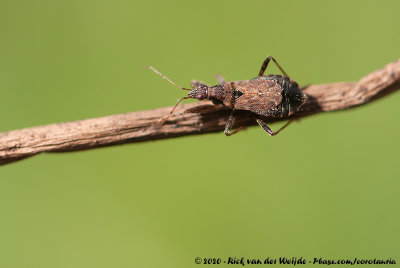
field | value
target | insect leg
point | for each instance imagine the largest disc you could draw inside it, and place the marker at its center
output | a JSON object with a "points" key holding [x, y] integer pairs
{"points": [[265, 64], [184, 98], [220, 79], [196, 83], [229, 125], [268, 130], [164, 118]]}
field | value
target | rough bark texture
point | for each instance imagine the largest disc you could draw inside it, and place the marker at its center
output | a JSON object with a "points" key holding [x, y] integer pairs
{"points": [[198, 118]]}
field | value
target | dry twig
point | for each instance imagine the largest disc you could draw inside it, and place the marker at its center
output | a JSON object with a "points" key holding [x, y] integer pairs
{"points": [[144, 125]]}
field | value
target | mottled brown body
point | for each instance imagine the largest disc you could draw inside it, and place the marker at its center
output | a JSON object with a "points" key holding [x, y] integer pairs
{"points": [[265, 96], [270, 95]]}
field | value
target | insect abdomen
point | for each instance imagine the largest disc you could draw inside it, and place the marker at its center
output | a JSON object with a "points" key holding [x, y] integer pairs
{"points": [[292, 97]]}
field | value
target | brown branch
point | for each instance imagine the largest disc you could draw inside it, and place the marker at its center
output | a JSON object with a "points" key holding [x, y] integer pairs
{"points": [[198, 118]]}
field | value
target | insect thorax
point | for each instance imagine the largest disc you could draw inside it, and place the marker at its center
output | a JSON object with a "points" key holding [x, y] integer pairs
{"points": [[222, 94]]}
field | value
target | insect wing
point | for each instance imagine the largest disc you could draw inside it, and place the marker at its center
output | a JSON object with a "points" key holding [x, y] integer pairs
{"points": [[259, 96]]}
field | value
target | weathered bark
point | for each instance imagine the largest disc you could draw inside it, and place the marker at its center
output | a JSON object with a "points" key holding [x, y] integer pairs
{"points": [[146, 125]]}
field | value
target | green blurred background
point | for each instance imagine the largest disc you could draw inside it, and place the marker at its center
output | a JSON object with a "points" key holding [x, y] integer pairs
{"points": [[327, 186]]}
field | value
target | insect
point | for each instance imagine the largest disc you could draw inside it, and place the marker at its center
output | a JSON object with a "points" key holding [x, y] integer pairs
{"points": [[266, 96]]}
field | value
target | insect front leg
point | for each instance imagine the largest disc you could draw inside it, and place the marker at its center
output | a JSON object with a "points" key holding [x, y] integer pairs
{"points": [[220, 79], [268, 130], [196, 83], [229, 125], [265, 64]]}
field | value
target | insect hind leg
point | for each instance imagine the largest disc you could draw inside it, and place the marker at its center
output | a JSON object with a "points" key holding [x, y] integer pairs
{"points": [[270, 131], [265, 64]]}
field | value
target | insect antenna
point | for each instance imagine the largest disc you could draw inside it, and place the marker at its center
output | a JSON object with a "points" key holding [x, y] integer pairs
{"points": [[166, 78]]}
